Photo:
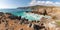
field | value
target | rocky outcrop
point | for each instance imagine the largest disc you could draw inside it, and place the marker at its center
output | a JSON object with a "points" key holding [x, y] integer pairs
{"points": [[51, 10]]}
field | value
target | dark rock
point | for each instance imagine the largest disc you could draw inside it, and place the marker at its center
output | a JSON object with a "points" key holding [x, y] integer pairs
{"points": [[3, 21], [6, 29], [30, 25], [27, 11], [8, 13], [19, 18], [38, 21], [45, 12], [21, 29], [34, 21], [0, 21], [37, 27], [14, 17], [1, 13]]}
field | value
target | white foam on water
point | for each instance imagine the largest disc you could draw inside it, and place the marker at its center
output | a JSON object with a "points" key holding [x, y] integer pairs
{"points": [[32, 16]]}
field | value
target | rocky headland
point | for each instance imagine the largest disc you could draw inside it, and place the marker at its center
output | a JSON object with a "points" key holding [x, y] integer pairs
{"points": [[10, 22]]}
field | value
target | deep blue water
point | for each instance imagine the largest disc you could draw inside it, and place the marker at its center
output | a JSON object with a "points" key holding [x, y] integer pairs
{"points": [[22, 13]]}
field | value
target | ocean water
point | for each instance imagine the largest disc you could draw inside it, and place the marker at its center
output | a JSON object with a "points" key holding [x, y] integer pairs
{"points": [[22, 13]]}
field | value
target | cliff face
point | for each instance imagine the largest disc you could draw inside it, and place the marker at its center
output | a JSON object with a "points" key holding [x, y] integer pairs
{"points": [[52, 11], [56, 13]]}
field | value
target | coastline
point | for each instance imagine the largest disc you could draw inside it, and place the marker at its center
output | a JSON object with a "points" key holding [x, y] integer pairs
{"points": [[16, 23]]}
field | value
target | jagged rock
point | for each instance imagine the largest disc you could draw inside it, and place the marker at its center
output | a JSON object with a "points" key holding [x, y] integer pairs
{"points": [[1, 13]]}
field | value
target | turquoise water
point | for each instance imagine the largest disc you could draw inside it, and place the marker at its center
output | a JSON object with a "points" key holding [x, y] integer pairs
{"points": [[30, 16], [22, 13]]}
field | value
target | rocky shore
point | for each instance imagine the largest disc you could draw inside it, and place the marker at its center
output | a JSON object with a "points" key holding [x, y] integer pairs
{"points": [[11, 22]]}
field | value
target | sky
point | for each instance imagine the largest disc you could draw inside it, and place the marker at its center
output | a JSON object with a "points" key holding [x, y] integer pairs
{"points": [[23, 3]]}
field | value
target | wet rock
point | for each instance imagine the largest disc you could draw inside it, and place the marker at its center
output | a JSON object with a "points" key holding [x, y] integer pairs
{"points": [[8, 13], [14, 17], [27, 11], [1, 13], [19, 18]]}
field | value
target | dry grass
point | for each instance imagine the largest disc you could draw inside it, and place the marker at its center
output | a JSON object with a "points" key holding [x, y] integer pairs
{"points": [[58, 22]]}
